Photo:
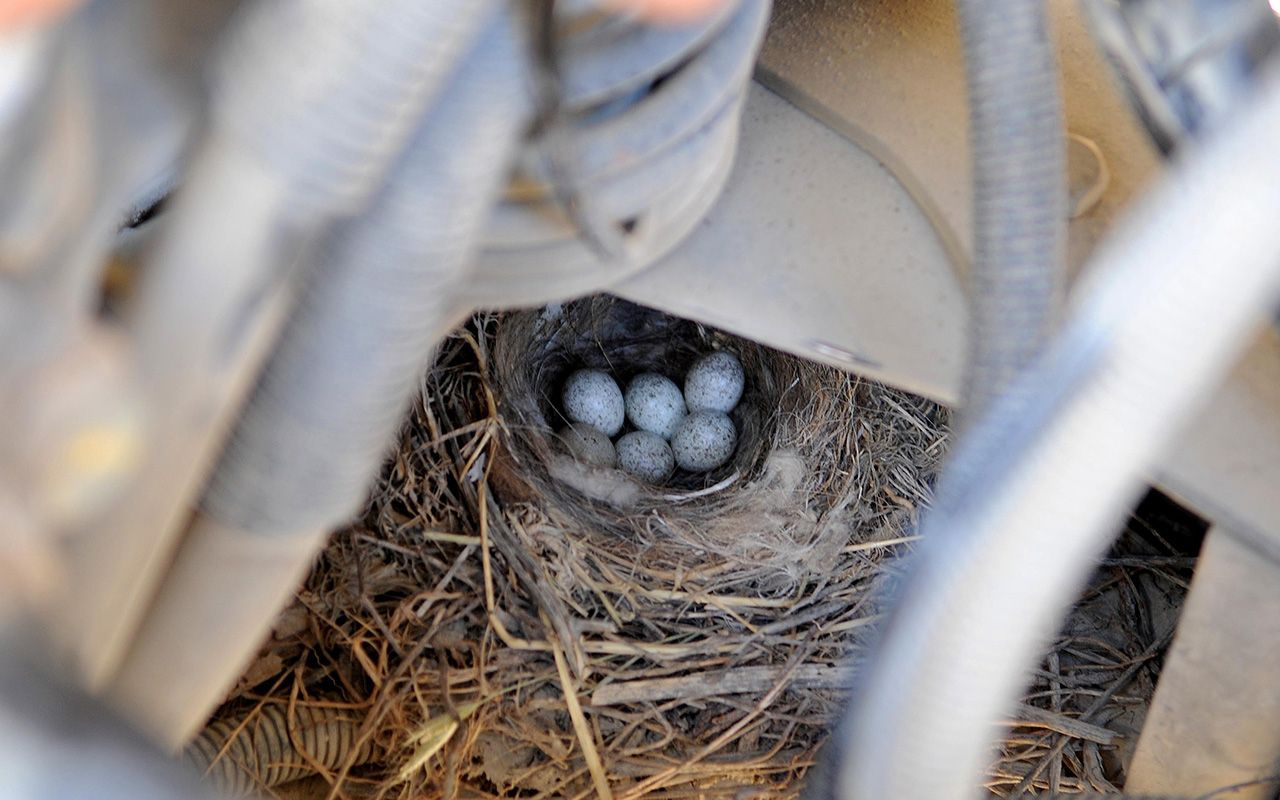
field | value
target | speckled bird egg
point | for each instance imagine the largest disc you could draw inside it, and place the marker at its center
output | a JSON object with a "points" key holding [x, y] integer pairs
{"points": [[591, 396], [704, 441], [654, 403], [589, 445], [646, 455], [714, 383]]}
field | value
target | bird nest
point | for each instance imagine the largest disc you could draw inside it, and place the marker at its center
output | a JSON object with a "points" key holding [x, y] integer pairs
{"points": [[816, 451], [506, 622]]}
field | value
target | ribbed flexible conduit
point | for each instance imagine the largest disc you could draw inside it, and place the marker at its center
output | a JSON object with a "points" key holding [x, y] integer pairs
{"points": [[1044, 480], [326, 94], [274, 745], [650, 130], [332, 395], [1020, 190]]}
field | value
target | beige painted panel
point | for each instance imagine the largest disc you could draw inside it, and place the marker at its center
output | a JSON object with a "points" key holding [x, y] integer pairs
{"points": [[1212, 722], [1095, 108], [1227, 463], [890, 76], [815, 248]]}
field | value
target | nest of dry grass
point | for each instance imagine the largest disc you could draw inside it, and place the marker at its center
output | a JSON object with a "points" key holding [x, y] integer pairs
{"points": [[1081, 717], [505, 623], [823, 459]]}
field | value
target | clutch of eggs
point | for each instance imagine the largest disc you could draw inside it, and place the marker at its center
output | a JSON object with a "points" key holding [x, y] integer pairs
{"points": [[689, 428]]}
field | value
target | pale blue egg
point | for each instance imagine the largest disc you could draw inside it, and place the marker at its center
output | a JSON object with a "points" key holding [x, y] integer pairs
{"points": [[654, 403], [714, 383], [646, 456], [589, 445], [704, 441], [591, 396]]}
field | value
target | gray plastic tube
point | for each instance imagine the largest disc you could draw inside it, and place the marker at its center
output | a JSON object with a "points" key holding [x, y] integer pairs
{"points": [[1042, 483], [326, 94], [1020, 190], [332, 396], [312, 103], [329, 401]]}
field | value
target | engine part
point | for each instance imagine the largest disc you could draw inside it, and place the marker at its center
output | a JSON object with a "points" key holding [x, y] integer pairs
{"points": [[338, 383], [287, 155], [1030, 505], [1185, 64], [641, 152]]}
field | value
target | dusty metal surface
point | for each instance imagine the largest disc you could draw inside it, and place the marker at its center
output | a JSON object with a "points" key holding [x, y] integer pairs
{"points": [[850, 201], [890, 77], [815, 248], [1227, 464]]}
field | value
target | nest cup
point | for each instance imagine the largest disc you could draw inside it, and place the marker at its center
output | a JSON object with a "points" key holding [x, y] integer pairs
{"points": [[536, 352], [786, 499]]}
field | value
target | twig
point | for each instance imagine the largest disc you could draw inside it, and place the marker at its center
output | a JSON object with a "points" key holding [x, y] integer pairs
{"points": [[580, 727], [720, 741], [731, 680], [1099, 703], [1032, 717]]}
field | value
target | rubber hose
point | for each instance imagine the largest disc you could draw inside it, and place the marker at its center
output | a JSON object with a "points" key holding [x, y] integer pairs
{"points": [[332, 396], [273, 746], [1020, 190], [631, 55], [326, 95], [644, 167], [1173, 298], [634, 155]]}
